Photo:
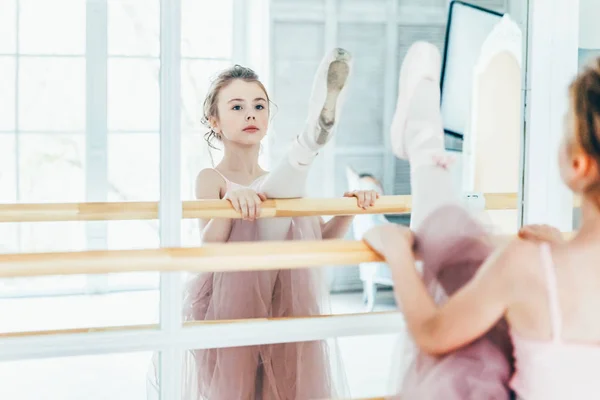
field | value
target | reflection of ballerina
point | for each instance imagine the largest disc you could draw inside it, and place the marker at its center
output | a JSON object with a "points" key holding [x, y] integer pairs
{"points": [[237, 109]]}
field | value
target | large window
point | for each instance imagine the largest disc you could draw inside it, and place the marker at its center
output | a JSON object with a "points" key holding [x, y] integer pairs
{"points": [[42, 127], [80, 121]]}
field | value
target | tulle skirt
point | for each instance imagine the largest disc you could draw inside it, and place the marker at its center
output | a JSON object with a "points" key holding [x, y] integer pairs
{"points": [[453, 245], [287, 371]]}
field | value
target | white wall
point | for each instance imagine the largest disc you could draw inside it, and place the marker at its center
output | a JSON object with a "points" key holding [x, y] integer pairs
{"points": [[589, 29]]}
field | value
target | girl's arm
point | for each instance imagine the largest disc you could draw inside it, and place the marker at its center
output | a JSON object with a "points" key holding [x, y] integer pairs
{"points": [[469, 313], [337, 227], [208, 187]]}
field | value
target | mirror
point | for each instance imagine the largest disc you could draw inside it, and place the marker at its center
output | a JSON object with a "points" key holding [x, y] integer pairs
{"points": [[481, 44]]}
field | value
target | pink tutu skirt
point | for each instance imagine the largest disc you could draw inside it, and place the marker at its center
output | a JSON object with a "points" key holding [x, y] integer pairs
{"points": [[453, 246], [287, 371]]}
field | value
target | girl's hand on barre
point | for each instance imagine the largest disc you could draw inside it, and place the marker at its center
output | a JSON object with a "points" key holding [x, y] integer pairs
{"points": [[388, 239], [246, 202], [337, 227], [365, 198], [542, 233]]}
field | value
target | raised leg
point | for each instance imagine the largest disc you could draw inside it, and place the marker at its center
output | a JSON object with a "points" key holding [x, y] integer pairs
{"points": [[418, 135], [288, 179]]}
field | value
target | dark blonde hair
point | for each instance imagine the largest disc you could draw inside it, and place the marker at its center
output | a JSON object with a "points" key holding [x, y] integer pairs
{"points": [[227, 76], [585, 100]]}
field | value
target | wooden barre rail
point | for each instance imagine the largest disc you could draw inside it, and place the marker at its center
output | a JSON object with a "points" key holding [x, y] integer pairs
{"points": [[219, 257], [222, 257], [45, 212]]}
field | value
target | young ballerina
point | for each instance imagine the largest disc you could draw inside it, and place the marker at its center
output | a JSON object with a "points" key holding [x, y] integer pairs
{"points": [[237, 111], [548, 290]]}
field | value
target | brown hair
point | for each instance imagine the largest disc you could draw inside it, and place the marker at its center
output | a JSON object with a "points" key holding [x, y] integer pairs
{"points": [[585, 98], [223, 80]]}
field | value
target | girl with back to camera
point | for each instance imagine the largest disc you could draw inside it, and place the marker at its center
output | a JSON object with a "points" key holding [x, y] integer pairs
{"points": [[547, 289], [237, 112]]}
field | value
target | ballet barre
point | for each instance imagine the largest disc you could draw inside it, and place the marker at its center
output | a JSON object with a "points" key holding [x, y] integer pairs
{"points": [[107, 211], [217, 257], [212, 257]]}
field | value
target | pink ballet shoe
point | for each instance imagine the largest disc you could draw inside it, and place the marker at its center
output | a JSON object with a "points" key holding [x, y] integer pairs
{"points": [[327, 98], [422, 62]]}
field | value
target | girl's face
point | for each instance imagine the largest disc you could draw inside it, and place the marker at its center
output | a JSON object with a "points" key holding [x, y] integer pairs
{"points": [[243, 113]]}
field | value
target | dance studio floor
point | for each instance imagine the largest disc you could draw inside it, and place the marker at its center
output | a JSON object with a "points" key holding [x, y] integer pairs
{"points": [[122, 376]]}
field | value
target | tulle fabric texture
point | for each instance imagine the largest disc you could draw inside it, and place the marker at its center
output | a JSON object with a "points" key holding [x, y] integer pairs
{"points": [[287, 371], [453, 245]]}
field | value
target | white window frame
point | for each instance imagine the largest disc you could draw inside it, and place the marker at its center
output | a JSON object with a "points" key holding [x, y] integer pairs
{"points": [[170, 211], [96, 133]]}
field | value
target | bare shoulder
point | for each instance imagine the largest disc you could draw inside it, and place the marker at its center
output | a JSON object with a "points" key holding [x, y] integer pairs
{"points": [[517, 253], [516, 263], [209, 184], [521, 249]]}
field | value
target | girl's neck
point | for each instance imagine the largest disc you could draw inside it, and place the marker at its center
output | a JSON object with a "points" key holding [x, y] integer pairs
{"points": [[242, 159], [590, 218]]}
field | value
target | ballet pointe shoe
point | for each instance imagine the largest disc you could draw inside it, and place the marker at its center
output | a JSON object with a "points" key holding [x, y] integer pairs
{"points": [[326, 100], [417, 122]]}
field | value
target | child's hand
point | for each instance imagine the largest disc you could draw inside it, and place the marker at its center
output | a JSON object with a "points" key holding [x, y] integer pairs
{"points": [[388, 237], [365, 198], [542, 233], [246, 202]]}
